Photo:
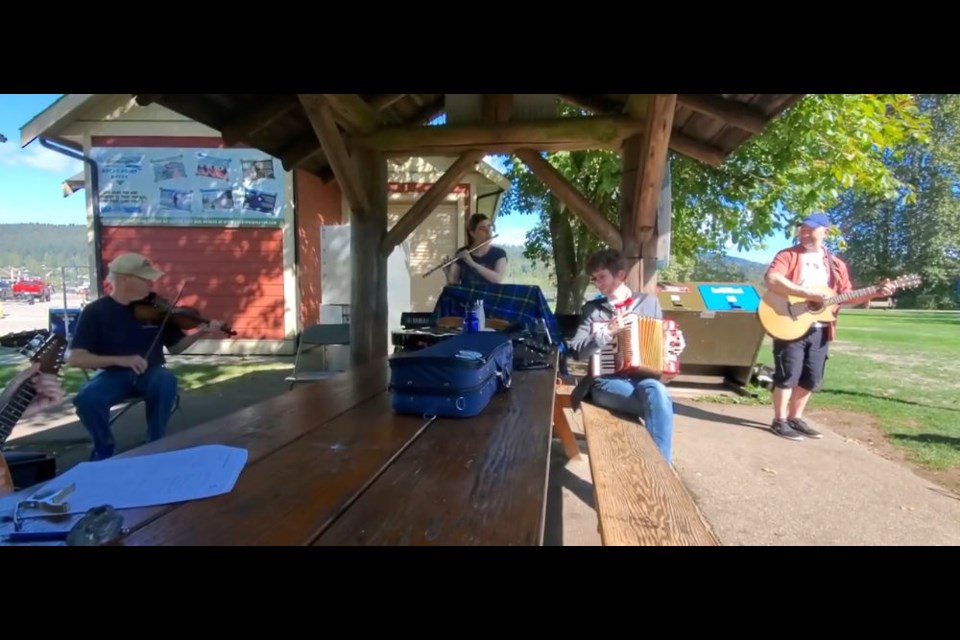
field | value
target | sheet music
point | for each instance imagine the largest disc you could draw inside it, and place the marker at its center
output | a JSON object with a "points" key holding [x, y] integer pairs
{"points": [[149, 480]]}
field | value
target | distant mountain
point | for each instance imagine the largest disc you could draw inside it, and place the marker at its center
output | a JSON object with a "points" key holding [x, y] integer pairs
{"points": [[43, 248], [753, 271]]}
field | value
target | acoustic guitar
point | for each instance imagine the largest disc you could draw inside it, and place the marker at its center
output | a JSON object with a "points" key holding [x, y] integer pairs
{"points": [[790, 317], [49, 353]]}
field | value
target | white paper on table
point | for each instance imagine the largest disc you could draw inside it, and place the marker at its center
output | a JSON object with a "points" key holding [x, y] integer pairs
{"points": [[149, 480]]}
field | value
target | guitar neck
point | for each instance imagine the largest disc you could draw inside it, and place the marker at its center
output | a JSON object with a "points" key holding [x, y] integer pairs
{"points": [[850, 295], [10, 413]]}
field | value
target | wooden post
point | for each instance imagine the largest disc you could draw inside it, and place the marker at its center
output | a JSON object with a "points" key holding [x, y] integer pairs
{"points": [[368, 291], [629, 177], [644, 159], [653, 159]]}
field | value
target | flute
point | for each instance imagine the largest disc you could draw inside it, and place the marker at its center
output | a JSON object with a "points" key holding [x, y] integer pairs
{"points": [[457, 257]]}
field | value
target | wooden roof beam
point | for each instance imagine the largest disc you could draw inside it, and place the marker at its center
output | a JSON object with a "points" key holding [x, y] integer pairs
{"points": [[344, 167], [353, 112], [570, 196], [251, 122], [653, 160], [428, 112], [560, 134], [386, 100], [300, 152], [426, 203], [733, 113], [692, 148], [146, 99], [497, 107]]}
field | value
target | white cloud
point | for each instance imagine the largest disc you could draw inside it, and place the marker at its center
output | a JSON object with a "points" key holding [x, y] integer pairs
{"points": [[39, 157]]}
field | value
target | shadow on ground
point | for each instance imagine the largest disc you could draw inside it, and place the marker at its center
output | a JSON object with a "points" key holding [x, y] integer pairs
{"points": [[69, 443], [698, 413], [927, 438]]}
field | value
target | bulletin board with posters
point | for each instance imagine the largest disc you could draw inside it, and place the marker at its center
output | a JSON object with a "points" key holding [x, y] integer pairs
{"points": [[164, 186]]}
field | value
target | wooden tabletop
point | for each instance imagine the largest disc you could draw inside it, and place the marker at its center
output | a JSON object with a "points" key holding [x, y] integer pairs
{"points": [[330, 463]]}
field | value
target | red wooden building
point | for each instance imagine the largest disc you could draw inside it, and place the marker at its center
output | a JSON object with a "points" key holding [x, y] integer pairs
{"points": [[230, 224]]}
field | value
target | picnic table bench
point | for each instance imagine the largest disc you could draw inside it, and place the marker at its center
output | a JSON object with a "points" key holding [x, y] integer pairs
{"points": [[640, 499], [329, 463]]}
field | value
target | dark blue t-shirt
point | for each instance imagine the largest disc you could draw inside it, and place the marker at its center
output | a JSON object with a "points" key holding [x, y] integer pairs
{"points": [[108, 328], [469, 276]]}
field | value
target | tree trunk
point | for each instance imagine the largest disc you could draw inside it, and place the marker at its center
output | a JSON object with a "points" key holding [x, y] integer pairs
{"points": [[571, 280]]}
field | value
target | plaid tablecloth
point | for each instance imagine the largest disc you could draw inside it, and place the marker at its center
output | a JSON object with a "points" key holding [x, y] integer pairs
{"points": [[515, 303]]}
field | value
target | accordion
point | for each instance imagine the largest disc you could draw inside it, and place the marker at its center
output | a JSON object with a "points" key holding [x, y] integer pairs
{"points": [[646, 346]]}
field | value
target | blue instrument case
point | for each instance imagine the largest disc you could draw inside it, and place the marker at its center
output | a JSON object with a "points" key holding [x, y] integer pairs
{"points": [[454, 378]]}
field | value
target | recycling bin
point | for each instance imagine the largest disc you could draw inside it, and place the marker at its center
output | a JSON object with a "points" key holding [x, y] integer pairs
{"points": [[56, 323], [720, 325]]}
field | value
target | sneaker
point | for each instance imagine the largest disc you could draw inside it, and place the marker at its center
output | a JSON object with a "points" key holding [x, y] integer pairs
{"points": [[783, 429], [798, 424]]}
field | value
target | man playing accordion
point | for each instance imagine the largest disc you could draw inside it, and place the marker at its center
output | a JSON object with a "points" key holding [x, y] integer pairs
{"points": [[631, 390]]}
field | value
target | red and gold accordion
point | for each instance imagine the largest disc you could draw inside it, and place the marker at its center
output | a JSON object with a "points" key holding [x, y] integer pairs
{"points": [[646, 346]]}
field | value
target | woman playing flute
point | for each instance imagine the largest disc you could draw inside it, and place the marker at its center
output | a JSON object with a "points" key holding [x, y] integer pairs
{"points": [[478, 264]]}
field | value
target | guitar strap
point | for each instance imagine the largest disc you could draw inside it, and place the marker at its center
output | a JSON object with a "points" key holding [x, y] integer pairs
{"points": [[833, 271], [833, 267]]}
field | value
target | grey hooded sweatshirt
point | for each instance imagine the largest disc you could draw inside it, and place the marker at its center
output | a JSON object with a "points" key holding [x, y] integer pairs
{"points": [[584, 344]]}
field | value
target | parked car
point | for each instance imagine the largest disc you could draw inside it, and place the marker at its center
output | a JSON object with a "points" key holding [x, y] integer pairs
{"points": [[31, 289]]}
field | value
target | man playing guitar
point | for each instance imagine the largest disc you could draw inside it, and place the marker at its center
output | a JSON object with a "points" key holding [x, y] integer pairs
{"points": [[799, 364]]}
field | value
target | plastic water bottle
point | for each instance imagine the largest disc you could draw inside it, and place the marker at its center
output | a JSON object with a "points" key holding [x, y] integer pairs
{"points": [[481, 316], [470, 322]]}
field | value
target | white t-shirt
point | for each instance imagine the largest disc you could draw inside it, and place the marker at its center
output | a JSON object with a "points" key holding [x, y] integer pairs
{"points": [[813, 271]]}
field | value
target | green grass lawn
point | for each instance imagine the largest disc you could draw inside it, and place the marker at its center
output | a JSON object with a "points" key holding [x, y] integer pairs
{"points": [[902, 368]]}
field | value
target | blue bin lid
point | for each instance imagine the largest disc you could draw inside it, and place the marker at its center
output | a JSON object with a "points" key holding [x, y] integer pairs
{"points": [[723, 296]]}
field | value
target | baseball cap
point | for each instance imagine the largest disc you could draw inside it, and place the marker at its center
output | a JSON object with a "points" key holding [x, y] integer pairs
{"points": [[134, 264], [816, 220]]}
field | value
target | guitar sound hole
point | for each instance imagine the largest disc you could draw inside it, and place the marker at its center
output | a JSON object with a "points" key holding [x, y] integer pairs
{"points": [[814, 306]]}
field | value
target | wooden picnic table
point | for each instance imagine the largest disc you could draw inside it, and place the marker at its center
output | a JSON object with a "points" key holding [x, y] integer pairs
{"points": [[329, 463]]}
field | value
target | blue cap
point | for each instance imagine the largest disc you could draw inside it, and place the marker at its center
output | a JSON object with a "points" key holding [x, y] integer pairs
{"points": [[817, 220]]}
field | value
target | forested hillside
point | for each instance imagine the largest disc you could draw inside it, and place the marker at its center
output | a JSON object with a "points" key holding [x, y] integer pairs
{"points": [[42, 248]]}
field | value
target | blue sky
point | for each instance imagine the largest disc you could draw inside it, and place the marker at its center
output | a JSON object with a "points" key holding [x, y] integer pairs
{"points": [[31, 178]]}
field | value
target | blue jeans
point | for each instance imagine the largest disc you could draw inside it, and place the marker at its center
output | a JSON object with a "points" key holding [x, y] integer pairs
{"points": [[647, 398], [157, 386]]}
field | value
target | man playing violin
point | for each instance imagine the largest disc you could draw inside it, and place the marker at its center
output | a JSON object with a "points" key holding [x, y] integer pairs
{"points": [[130, 359]]}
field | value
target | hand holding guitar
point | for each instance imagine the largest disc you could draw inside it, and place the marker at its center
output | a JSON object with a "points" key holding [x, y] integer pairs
{"points": [[815, 296], [48, 389], [887, 288]]}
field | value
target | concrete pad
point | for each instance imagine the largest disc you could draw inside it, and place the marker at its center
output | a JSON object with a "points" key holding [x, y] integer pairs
{"points": [[756, 488]]}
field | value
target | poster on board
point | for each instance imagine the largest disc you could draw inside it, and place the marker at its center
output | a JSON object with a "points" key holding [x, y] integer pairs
{"points": [[181, 187]]}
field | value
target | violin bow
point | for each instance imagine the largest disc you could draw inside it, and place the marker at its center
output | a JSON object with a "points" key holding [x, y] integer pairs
{"points": [[163, 324]]}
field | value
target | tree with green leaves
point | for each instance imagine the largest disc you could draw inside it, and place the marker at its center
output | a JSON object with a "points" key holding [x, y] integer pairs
{"points": [[823, 146], [918, 231]]}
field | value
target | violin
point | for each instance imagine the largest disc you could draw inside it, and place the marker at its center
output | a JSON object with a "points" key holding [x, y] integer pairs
{"points": [[154, 309]]}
